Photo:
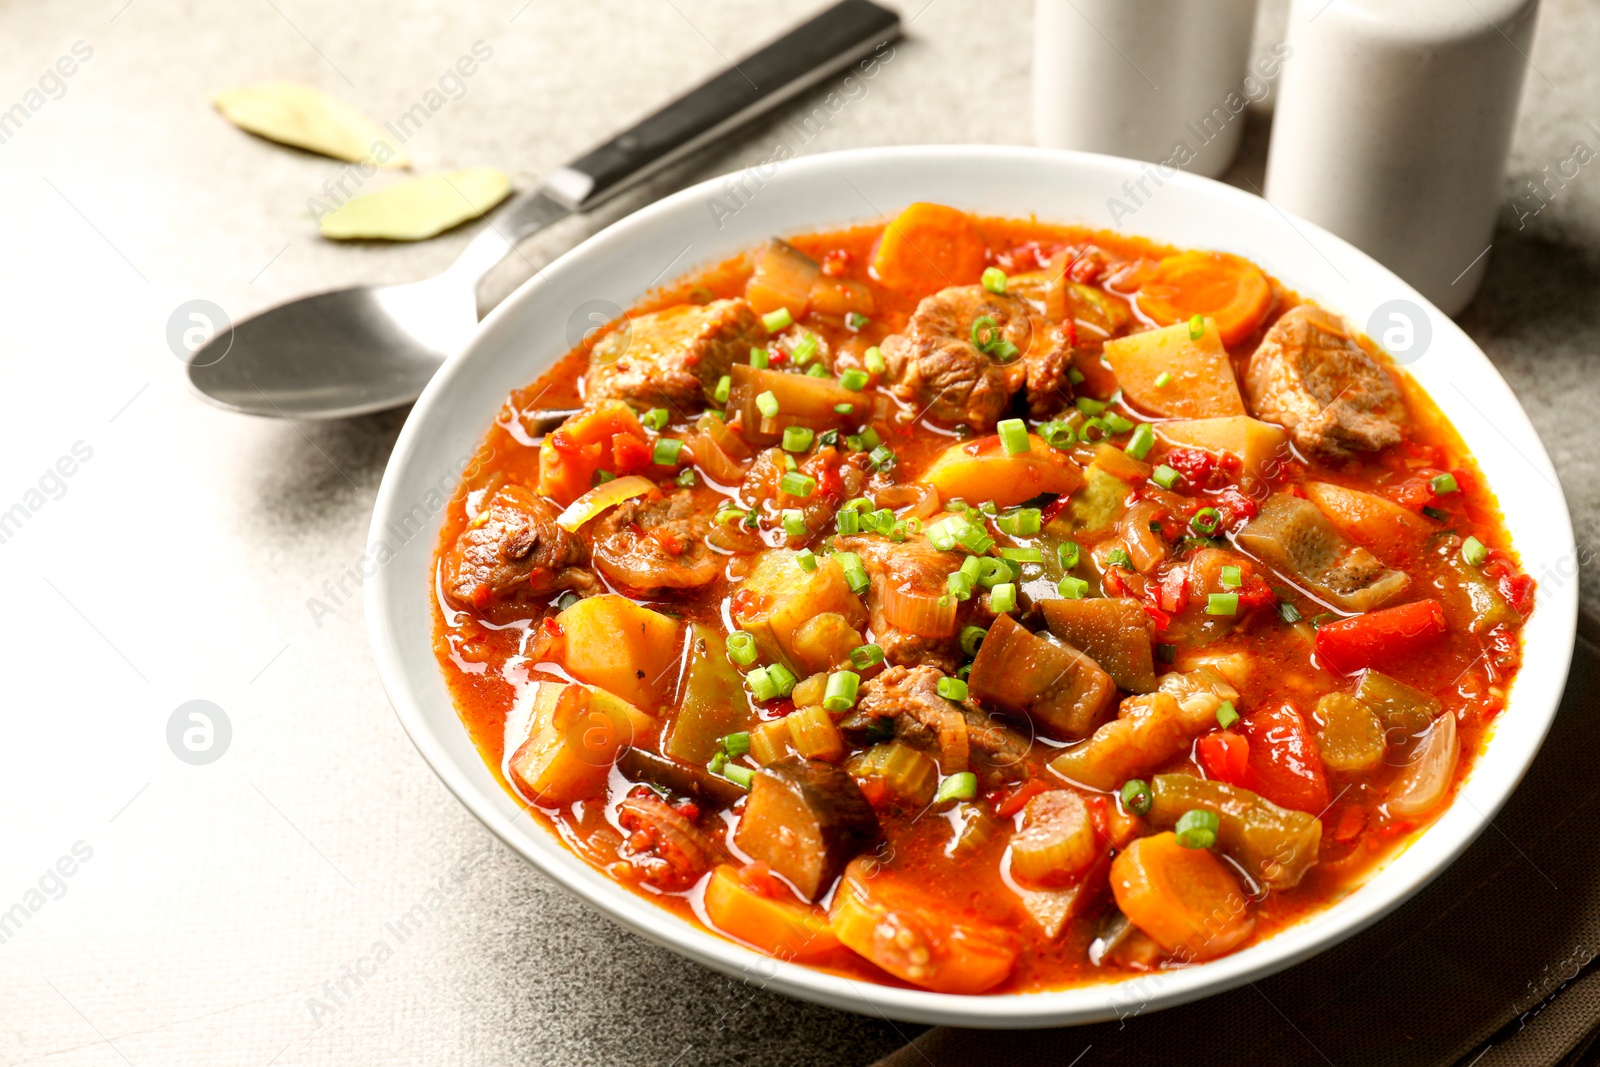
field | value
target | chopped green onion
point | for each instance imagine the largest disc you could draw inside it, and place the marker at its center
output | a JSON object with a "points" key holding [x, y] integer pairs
{"points": [[783, 678], [952, 688], [1067, 553], [971, 638], [762, 687], [727, 515], [1163, 379], [1029, 554], [829, 438], [1444, 483], [1143, 439], [964, 671], [1227, 715], [1288, 612], [1197, 828], [975, 540], [736, 744], [1435, 513], [1206, 521], [656, 419], [816, 370], [777, 320], [1473, 551], [855, 574], [1166, 653], [794, 523], [858, 504], [807, 560], [1013, 436], [1089, 405], [1019, 522], [958, 585], [741, 648], [1117, 423], [874, 361], [881, 458], [1118, 557], [1075, 376], [991, 571], [1136, 796], [719, 761], [739, 776], [724, 388], [1003, 598], [854, 321], [686, 478], [847, 522], [1072, 588], [767, 404], [797, 438], [854, 379], [1222, 604], [864, 656], [1165, 476], [1323, 619], [960, 786], [1094, 429], [1232, 577], [601, 477], [988, 339], [1058, 435], [804, 349], [1197, 327], [870, 439], [796, 484], [758, 358], [942, 534], [994, 279], [568, 599], [840, 694], [666, 452], [883, 519]]}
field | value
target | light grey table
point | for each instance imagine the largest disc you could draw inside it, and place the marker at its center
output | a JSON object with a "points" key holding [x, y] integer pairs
{"points": [[315, 895]]}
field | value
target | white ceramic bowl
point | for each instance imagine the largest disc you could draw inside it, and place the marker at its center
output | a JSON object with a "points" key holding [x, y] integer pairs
{"points": [[718, 218]]}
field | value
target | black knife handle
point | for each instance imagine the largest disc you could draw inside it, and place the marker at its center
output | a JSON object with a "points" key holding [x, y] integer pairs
{"points": [[834, 39]]}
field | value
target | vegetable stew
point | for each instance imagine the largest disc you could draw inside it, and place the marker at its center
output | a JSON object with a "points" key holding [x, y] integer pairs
{"points": [[979, 605]]}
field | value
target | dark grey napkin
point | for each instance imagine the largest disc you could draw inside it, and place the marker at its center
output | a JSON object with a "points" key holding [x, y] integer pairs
{"points": [[1492, 965]]}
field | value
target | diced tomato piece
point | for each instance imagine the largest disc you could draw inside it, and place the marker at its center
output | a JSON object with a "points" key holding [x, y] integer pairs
{"points": [[1379, 637], [631, 454], [1195, 466], [1112, 582], [1236, 507], [1052, 509], [1225, 757], [1283, 759], [1019, 797], [1175, 590]]}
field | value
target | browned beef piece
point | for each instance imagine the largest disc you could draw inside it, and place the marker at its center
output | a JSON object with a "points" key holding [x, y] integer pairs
{"points": [[1311, 377], [910, 697], [513, 553], [656, 542], [675, 356], [934, 364]]}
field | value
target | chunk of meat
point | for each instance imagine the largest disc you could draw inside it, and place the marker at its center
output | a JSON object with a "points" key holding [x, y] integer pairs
{"points": [[674, 356], [513, 552], [915, 566], [665, 847], [839, 477], [924, 719], [1148, 731], [1293, 536], [1311, 377], [656, 543], [935, 365]]}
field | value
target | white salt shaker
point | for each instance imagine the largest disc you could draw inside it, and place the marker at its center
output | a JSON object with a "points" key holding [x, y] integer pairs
{"points": [[1392, 127], [1160, 80]]}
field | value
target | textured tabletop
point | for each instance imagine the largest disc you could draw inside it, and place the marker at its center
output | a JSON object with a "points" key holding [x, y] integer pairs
{"points": [[315, 895]]}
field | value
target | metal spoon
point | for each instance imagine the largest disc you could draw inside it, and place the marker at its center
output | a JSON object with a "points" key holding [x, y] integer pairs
{"points": [[371, 348]]}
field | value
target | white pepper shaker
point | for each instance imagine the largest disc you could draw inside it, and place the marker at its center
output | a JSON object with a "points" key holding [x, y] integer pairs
{"points": [[1165, 81], [1392, 127]]}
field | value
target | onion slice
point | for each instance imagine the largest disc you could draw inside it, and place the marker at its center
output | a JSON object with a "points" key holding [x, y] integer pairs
{"points": [[601, 497], [918, 613], [1426, 778], [714, 460]]}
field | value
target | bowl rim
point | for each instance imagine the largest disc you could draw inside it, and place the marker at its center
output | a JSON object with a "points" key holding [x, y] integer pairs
{"points": [[1533, 699]]}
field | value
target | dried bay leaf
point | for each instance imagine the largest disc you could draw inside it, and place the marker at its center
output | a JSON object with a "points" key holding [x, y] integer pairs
{"points": [[303, 117], [419, 208]]}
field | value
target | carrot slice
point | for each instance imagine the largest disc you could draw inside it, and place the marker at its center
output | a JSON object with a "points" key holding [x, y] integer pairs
{"points": [[1227, 288], [928, 247], [780, 927], [897, 926], [1184, 898]]}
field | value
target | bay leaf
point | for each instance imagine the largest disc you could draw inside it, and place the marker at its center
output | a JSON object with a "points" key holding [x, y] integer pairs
{"points": [[419, 208], [303, 117]]}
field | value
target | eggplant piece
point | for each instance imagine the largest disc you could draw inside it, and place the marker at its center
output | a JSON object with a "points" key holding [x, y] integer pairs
{"points": [[1294, 537], [680, 779], [1275, 845], [806, 819], [1116, 632], [1037, 675]]}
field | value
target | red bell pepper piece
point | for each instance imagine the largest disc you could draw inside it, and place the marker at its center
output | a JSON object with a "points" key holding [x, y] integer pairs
{"points": [[1225, 757], [1377, 637], [1284, 763]]}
